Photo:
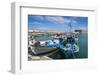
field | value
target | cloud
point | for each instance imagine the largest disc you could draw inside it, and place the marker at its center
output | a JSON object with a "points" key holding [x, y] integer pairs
{"points": [[54, 19], [61, 20], [57, 19], [40, 18]]}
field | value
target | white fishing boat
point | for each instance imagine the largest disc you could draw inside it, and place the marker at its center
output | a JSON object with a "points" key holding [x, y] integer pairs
{"points": [[43, 50]]}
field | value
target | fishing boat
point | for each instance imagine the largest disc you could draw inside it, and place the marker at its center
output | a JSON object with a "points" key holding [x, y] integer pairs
{"points": [[69, 50], [39, 50], [70, 45], [67, 46]]}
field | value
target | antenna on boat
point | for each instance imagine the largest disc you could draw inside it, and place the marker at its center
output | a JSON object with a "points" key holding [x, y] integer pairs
{"points": [[70, 27]]}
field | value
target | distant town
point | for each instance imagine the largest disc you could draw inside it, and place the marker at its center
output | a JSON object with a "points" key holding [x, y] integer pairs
{"points": [[39, 32]]}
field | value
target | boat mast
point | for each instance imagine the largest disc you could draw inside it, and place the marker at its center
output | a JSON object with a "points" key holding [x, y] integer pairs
{"points": [[70, 27]]}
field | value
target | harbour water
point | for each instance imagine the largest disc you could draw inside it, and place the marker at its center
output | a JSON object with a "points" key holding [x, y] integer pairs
{"points": [[83, 45]]}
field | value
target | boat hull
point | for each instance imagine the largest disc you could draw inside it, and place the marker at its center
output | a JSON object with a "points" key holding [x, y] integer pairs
{"points": [[43, 50]]}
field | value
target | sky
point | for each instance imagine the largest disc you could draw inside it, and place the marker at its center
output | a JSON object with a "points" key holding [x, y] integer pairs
{"points": [[57, 23]]}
